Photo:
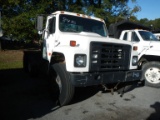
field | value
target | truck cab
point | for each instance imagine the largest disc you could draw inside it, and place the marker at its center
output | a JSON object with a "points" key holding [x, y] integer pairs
{"points": [[157, 35], [148, 53], [79, 53], [146, 41]]}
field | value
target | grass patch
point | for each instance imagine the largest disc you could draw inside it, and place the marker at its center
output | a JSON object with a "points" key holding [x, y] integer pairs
{"points": [[11, 65], [11, 59]]}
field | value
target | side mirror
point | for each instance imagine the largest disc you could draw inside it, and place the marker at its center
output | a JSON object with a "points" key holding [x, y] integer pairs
{"points": [[39, 25]]}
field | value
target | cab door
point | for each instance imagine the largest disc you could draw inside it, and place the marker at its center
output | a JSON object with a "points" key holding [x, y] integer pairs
{"points": [[138, 41], [49, 38]]}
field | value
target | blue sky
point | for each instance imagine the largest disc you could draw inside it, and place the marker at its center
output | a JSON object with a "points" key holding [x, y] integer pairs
{"points": [[150, 9]]}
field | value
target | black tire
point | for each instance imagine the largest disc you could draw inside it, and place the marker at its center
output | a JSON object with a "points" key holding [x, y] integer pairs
{"points": [[65, 87], [151, 74], [28, 65], [32, 69], [25, 62]]}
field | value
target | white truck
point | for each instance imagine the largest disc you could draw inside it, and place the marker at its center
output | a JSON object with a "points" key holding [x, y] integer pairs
{"points": [[157, 35], [77, 52], [148, 49]]}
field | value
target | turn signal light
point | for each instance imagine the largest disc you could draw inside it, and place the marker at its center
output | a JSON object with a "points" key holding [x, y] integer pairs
{"points": [[135, 48], [49, 54], [73, 43]]}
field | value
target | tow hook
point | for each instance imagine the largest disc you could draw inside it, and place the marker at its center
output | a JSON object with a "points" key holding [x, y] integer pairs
{"points": [[110, 89]]}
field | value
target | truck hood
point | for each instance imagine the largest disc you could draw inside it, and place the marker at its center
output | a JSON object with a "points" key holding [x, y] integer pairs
{"points": [[86, 37]]}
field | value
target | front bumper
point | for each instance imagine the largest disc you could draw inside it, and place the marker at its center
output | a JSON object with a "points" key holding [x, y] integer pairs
{"points": [[89, 79]]}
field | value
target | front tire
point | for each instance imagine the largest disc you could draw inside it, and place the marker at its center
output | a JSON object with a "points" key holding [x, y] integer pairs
{"points": [[62, 79], [151, 74]]}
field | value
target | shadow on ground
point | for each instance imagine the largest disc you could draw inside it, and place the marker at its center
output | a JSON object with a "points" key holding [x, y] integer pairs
{"points": [[156, 114], [23, 97]]}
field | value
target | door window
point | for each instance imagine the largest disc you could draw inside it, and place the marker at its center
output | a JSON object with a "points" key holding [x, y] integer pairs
{"points": [[134, 37], [51, 25], [125, 36]]}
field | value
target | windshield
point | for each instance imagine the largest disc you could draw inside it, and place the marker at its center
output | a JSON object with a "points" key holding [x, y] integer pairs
{"points": [[70, 23], [148, 36]]}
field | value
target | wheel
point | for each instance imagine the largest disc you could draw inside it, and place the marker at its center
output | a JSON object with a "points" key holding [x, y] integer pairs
{"points": [[29, 65], [31, 69], [62, 79], [25, 62], [151, 74]]}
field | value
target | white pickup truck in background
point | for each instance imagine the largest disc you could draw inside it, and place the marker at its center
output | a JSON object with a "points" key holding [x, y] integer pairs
{"points": [[148, 49], [157, 35]]}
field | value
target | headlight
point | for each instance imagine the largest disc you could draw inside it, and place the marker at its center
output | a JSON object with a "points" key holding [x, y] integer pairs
{"points": [[134, 60], [80, 60]]}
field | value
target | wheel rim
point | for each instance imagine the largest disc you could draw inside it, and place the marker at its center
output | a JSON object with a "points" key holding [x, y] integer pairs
{"points": [[59, 83], [152, 75]]}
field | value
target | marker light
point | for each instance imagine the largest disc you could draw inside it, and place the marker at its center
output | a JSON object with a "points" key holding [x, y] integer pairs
{"points": [[73, 43], [135, 48]]}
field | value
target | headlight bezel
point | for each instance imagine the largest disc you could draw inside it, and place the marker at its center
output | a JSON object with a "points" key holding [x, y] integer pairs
{"points": [[135, 60], [80, 60]]}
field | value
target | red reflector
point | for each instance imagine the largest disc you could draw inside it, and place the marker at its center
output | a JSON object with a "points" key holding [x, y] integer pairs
{"points": [[49, 54], [72, 43], [135, 48]]}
